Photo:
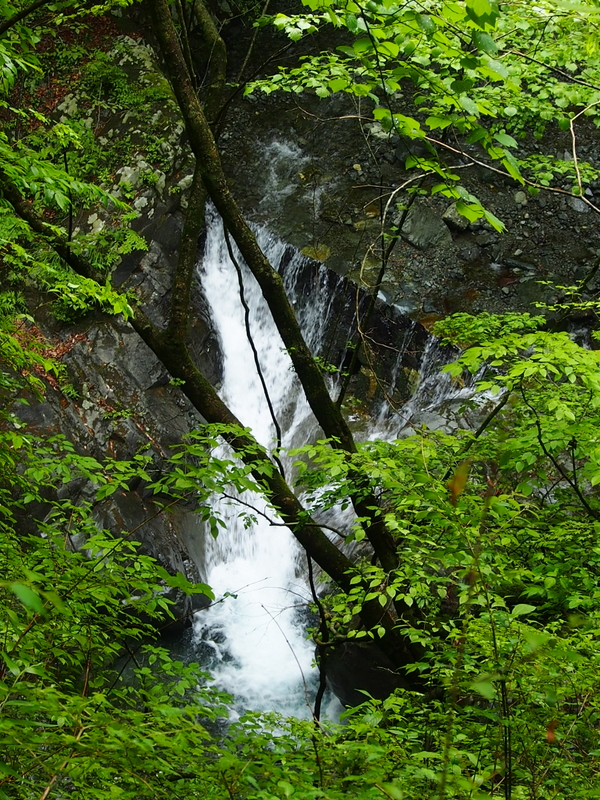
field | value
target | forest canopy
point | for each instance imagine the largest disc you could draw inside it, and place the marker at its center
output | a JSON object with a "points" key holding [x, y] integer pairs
{"points": [[473, 558]]}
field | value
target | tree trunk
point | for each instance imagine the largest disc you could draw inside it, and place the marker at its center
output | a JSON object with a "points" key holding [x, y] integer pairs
{"points": [[208, 162], [171, 349]]}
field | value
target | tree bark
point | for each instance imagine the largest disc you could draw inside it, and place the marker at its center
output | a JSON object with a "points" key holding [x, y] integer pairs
{"points": [[21, 15], [205, 149], [171, 349], [208, 162], [179, 312], [216, 72]]}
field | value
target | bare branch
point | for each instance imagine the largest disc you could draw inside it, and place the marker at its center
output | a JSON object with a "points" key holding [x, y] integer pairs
{"points": [[21, 15]]}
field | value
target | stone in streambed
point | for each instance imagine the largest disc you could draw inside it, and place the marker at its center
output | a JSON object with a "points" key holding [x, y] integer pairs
{"points": [[423, 228], [454, 219]]}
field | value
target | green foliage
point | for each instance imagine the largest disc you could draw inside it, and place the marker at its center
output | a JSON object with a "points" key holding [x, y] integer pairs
{"points": [[70, 719], [61, 166], [464, 330], [78, 296], [32, 167], [22, 361], [497, 531], [326, 366], [497, 534], [544, 169], [498, 567], [480, 70]]}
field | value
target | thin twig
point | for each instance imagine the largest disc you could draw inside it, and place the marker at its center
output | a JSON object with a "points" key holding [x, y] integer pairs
{"points": [[574, 144], [251, 45], [287, 641], [381, 789], [257, 364], [526, 181], [281, 524], [571, 78], [479, 163], [481, 429], [52, 781], [322, 644], [572, 483]]}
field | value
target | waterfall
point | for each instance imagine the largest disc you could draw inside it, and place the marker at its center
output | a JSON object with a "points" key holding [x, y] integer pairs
{"points": [[257, 633], [436, 402]]}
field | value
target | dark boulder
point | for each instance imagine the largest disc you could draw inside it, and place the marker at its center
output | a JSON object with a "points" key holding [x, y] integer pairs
{"points": [[354, 668]]}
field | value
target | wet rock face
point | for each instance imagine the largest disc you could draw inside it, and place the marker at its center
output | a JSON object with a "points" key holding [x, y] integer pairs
{"points": [[124, 405], [391, 345], [174, 539], [423, 228], [321, 185], [121, 398], [125, 400]]}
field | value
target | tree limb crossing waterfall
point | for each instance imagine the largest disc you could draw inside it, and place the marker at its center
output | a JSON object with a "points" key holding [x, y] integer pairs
{"points": [[262, 654], [257, 633]]}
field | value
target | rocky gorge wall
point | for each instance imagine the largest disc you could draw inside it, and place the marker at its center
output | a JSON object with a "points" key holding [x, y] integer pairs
{"points": [[322, 194], [338, 179]]}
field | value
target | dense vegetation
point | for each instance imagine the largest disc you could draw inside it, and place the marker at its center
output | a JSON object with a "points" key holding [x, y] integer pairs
{"points": [[481, 575]]}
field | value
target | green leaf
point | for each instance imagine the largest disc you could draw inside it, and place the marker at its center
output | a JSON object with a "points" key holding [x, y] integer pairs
{"points": [[469, 105], [522, 610], [28, 597], [469, 210], [483, 41], [391, 790], [351, 23], [12, 665], [434, 122], [388, 49], [56, 601], [361, 46], [512, 166], [482, 12], [338, 84], [497, 68], [494, 221], [505, 139], [286, 787], [5, 769], [426, 23], [485, 688]]}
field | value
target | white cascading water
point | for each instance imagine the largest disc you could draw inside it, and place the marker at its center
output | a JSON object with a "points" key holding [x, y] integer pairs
{"points": [[261, 653], [437, 402]]}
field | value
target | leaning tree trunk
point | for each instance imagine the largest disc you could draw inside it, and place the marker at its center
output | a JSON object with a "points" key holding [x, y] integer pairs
{"points": [[171, 349], [170, 345], [208, 162]]}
